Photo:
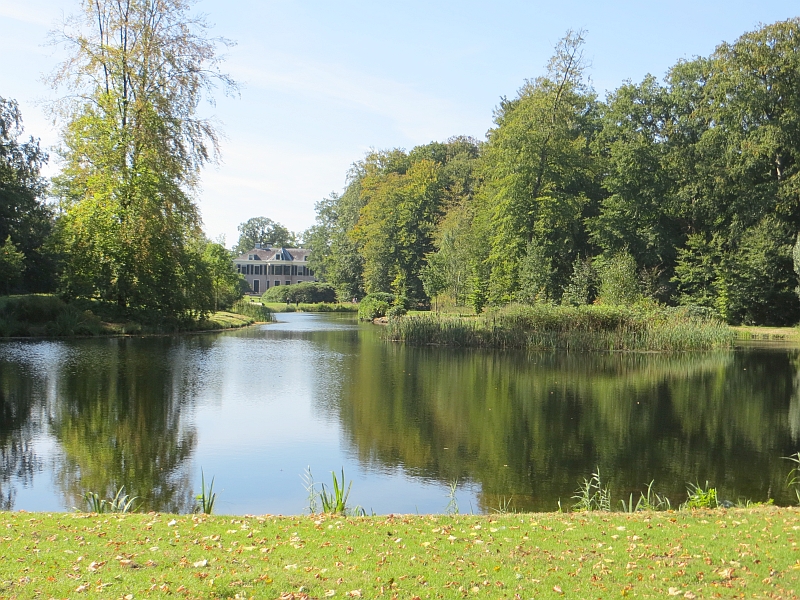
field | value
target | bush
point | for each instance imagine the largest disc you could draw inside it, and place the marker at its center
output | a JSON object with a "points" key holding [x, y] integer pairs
{"points": [[372, 308], [259, 312], [308, 292], [396, 311]]}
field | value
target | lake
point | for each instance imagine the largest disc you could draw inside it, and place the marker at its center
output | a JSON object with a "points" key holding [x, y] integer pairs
{"points": [[255, 408]]}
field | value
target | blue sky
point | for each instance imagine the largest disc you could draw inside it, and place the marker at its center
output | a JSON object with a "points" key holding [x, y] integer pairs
{"points": [[323, 81]]}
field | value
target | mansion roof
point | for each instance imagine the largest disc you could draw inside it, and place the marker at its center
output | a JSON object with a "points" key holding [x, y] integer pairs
{"points": [[275, 254]]}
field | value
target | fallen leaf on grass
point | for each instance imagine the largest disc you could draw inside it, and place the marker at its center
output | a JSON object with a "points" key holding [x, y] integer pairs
{"points": [[94, 566], [557, 589], [330, 593], [200, 563], [354, 593], [82, 588], [689, 596], [726, 573], [673, 591]]}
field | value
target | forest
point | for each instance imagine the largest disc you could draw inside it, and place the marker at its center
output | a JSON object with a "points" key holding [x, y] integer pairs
{"points": [[683, 191]]}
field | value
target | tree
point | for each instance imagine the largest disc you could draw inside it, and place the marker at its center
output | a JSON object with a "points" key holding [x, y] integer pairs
{"points": [[133, 147], [539, 175], [261, 230], [225, 281], [11, 263], [25, 219]]}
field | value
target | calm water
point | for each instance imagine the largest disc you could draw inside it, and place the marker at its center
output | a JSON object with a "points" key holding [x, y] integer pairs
{"points": [[254, 408]]}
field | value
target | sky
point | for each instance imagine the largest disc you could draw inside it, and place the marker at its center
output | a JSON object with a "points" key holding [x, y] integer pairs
{"points": [[324, 81]]}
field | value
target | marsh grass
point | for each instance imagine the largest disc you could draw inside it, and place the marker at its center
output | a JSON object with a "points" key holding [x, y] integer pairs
{"points": [[207, 497], [120, 503], [546, 327], [609, 555], [335, 501], [259, 312], [700, 497], [793, 478], [592, 494]]}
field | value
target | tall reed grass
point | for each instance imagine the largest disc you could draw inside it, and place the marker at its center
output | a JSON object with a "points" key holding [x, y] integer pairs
{"points": [[544, 327], [259, 312]]}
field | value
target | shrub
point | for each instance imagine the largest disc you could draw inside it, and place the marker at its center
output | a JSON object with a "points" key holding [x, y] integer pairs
{"points": [[372, 308], [396, 311], [259, 312], [309, 292]]}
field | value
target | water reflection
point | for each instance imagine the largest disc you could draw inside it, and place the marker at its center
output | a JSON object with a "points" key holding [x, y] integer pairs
{"points": [[254, 407], [532, 426]]}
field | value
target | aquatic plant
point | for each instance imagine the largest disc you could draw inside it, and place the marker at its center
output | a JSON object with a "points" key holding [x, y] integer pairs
{"points": [[120, 503], [592, 494], [700, 497], [547, 327], [793, 478], [452, 501], [206, 497], [309, 485], [335, 501], [259, 312], [649, 500]]}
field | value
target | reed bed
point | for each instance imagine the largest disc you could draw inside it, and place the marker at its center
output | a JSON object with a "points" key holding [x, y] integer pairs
{"points": [[583, 328]]}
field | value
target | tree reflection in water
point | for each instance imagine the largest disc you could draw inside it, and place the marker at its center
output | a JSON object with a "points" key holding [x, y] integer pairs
{"points": [[533, 426]]}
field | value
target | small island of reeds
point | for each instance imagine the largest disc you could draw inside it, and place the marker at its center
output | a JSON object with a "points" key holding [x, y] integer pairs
{"points": [[583, 328]]}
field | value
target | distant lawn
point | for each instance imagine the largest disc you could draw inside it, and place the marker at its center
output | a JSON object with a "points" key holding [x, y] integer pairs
{"points": [[773, 334], [734, 553]]}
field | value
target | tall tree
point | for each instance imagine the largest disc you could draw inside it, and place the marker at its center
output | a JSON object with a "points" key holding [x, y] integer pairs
{"points": [[25, 219], [133, 146], [261, 230], [539, 179]]}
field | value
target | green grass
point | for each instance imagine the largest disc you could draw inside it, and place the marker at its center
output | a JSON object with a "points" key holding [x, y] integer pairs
{"points": [[543, 327], [723, 553]]}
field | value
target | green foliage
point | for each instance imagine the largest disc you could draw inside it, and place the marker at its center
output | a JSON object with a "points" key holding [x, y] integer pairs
{"points": [[132, 147], [536, 274], [452, 500], [120, 503], [12, 263], [592, 494], [26, 221], [649, 500], [259, 312], [396, 311], [619, 282], [589, 327], [38, 315], [207, 497], [308, 292], [335, 501], [793, 478], [581, 288], [225, 281], [375, 305], [699, 497], [261, 230]]}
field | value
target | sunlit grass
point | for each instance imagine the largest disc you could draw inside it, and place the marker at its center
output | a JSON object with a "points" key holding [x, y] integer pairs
{"points": [[596, 328], [686, 554]]}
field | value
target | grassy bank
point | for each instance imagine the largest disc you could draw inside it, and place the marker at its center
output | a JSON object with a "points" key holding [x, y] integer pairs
{"points": [[49, 316], [318, 307], [603, 328], [689, 554], [747, 333]]}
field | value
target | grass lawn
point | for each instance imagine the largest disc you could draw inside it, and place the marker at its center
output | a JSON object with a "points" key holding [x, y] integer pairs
{"points": [[773, 334], [734, 553]]}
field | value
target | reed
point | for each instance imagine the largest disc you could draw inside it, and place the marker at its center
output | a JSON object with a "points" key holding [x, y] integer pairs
{"points": [[546, 327], [259, 312], [207, 497]]}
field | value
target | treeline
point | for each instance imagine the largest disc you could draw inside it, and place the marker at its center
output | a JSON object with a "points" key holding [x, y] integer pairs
{"points": [[119, 225], [684, 191]]}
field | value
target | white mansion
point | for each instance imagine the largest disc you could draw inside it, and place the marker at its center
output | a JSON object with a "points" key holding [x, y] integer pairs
{"points": [[264, 267]]}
